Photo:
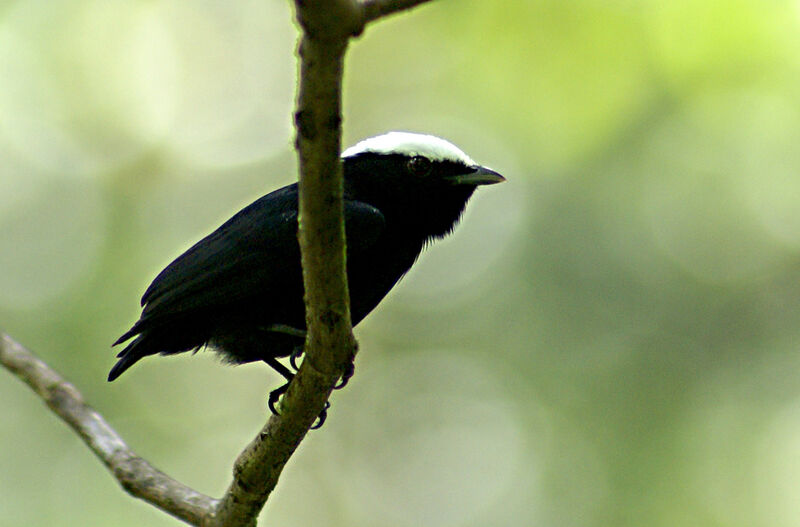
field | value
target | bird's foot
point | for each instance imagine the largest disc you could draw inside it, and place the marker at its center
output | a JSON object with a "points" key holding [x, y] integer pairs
{"points": [[348, 372], [275, 395], [297, 352], [321, 417]]}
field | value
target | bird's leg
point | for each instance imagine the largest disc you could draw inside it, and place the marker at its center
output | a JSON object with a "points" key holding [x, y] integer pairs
{"points": [[275, 395], [286, 330], [283, 329], [297, 352]]}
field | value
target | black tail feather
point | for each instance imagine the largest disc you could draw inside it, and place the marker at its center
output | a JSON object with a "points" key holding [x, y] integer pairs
{"points": [[128, 357], [128, 334]]}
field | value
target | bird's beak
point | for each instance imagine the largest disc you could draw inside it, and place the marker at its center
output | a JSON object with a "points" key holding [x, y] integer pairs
{"points": [[480, 176]]}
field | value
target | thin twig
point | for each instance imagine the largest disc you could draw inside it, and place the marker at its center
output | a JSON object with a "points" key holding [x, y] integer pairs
{"points": [[375, 9], [135, 474]]}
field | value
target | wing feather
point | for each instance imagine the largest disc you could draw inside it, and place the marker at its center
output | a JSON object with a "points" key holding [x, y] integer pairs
{"points": [[255, 253]]}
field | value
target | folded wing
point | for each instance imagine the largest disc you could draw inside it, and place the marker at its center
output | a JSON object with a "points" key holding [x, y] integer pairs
{"points": [[252, 260]]}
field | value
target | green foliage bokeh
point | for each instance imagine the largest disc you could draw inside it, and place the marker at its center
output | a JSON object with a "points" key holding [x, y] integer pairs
{"points": [[609, 338]]}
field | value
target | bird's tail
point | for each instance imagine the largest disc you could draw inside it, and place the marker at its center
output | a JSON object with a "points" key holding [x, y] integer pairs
{"points": [[129, 356]]}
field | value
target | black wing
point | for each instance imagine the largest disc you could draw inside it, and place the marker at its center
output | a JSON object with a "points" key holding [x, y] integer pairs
{"points": [[255, 251]]}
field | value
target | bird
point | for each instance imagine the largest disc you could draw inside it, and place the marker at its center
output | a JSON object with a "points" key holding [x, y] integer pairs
{"points": [[239, 290]]}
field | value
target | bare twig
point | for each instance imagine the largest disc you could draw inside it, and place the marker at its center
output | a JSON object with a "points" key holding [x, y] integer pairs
{"points": [[135, 474], [375, 9]]}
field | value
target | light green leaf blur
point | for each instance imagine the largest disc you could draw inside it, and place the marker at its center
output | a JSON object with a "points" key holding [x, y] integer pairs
{"points": [[611, 338]]}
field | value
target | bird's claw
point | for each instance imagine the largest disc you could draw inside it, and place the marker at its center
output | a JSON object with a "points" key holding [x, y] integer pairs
{"points": [[321, 417], [348, 372], [297, 352], [275, 395]]}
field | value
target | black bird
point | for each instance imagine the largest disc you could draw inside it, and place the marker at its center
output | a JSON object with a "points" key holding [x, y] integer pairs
{"points": [[239, 290]]}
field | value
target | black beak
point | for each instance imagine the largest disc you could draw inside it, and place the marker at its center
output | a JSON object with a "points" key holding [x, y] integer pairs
{"points": [[479, 176]]}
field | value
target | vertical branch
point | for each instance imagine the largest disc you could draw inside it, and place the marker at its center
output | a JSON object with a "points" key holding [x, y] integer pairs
{"points": [[327, 26], [321, 230]]}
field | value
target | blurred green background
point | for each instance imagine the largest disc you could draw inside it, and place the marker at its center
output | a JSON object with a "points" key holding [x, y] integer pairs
{"points": [[609, 339]]}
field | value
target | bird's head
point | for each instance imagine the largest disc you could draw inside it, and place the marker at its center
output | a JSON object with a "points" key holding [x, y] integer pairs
{"points": [[418, 179]]}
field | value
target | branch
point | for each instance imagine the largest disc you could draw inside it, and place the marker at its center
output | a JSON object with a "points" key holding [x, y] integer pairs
{"points": [[375, 9], [133, 473], [327, 26], [330, 344]]}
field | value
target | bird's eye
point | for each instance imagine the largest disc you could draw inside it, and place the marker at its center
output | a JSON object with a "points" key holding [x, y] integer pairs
{"points": [[419, 166]]}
